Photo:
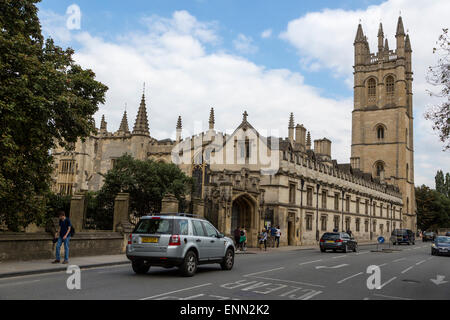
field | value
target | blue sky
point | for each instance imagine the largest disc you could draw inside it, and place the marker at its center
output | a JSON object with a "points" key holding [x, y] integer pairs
{"points": [[262, 56]]}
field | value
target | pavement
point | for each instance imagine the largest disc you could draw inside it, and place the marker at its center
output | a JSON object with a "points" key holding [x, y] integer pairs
{"points": [[408, 273]]}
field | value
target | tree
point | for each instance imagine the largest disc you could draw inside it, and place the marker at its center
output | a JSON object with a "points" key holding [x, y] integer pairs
{"points": [[439, 76], [433, 209], [440, 182], [146, 181], [45, 99]]}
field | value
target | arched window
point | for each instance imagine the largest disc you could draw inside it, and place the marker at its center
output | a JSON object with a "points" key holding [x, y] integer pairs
{"points": [[390, 85], [371, 90], [380, 168], [380, 132]]}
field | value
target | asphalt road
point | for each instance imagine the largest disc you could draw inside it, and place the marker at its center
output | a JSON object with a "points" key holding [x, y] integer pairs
{"points": [[287, 275]]}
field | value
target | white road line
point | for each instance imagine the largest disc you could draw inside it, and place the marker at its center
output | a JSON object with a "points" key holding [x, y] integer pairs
{"points": [[407, 269], [392, 297], [18, 283], [193, 297], [312, 295], [389, 281], [163, 294], [361, 252], [252, 274], [397, 260], [303, 263], [290, 281], [337, 257], [420, 262], [345, 279], [382, 265]]}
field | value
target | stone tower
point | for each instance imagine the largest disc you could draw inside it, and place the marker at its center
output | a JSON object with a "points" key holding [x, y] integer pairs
{"points": [[382, 119]]}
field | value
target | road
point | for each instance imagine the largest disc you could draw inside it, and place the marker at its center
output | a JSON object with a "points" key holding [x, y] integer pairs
{"points": [[411, 273]]}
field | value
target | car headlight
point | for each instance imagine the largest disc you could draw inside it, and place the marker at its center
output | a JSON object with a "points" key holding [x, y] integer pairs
{"points": [[433, 245]]}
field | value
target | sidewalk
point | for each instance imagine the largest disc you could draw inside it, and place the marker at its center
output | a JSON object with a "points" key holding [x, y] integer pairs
{"points": [[20, 268]]}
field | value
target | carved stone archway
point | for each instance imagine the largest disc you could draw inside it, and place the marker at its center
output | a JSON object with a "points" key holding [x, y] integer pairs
{"points": [[244, 212]]}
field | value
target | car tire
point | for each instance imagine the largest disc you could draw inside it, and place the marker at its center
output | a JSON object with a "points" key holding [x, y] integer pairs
{"points": [[189, 265], [345, 249], [228, 260], [334, 250], [140, 267], [322, 250], [355, 248]]}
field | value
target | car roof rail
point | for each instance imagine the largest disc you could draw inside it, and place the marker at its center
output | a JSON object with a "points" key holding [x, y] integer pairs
{"points": [[179, 214]]}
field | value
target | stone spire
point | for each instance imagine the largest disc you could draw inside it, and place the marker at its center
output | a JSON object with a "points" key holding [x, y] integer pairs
{"points": [[179, 128], [212, 120], [103, 124], [124, 124], [245, 115], [141, 124], [308, 141], [400, 37], [380, 38], [400, 29], [291, 127], [407, 44], [386, 45], [360, 34]]}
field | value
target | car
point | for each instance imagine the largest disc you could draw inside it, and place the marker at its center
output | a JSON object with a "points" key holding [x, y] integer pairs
{"points": [[178, 240], [447, 234], [337, 241], [399, 236], [441, 245], [428, 236]]}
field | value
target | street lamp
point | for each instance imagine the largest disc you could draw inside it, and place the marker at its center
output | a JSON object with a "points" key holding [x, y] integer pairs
{"points": [[343, 194], [317, 212]]}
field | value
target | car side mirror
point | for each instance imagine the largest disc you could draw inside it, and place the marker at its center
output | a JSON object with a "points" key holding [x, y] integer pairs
{"points": [[220, 235]]}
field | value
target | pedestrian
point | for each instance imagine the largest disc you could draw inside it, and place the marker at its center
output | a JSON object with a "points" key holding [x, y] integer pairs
{"points": [[335, 230], [243, 239], [273, 235], [263, 240], [350, 233], [237, 237], [63, 236], [278, 236]]}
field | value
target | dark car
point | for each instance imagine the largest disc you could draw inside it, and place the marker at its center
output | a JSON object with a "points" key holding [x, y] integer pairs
{"points": [[338, 241], [399, 236], [441, 245], [428, 236], [447, 234]]}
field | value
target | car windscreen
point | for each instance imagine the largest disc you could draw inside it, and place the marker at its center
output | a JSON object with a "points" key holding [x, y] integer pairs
{"points": [[399, 232], [443, 239], [154, 226], [331, 236]]}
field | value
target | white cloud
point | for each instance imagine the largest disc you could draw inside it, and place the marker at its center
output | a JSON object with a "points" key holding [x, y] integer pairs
{"points": [[244, 44], [266, 34], [324, 41], [54, 25]]}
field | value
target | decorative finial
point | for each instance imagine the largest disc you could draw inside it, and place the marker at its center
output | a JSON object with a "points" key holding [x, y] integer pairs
{"points": [[211, 119], [245, 114]]}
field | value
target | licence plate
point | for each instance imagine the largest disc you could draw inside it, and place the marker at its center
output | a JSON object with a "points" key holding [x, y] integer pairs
{"points": [[149, 239], [443, 250], [330, 241]]}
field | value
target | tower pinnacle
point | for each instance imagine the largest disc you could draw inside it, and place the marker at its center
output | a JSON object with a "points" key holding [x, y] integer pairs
{"points": [[141, 124]]}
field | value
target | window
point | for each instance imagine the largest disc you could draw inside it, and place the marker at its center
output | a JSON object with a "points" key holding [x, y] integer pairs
{"points": [[357, 224], [324, 199], [323, 223], [371, 90], [336, 201], [65, 188], [154, 226], [390, 89], [198, 228], [380, 132], [374, 226], [387, 226], [292, 193], [210, 230], [374, 207], [183, 227], [347, 204], [380, 170], [358, 200], [381, 209], [67, 166], [366, 226], [381, 228], [309, 218], [309, 196], [367, 207], [347, 223], [336, 222]]}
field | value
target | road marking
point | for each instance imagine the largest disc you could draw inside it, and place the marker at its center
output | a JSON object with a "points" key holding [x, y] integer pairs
{"points": [[290, 281], [251, 274], [420, 262], [18, 283], [163, 294], [335, 267], [345, 279], [193, 297], [312, 295], [392, 297], [361, 252], [397, 260], [337, 257], [387, 282], [382, 265], [407, 269], [303, 263]]}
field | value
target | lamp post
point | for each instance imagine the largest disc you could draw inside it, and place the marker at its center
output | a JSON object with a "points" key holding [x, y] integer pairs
{"points": [[343, 194], [317, 212], [370, 219]]}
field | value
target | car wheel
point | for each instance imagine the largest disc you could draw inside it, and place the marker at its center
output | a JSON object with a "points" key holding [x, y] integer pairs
{"points": [[228, 260], [395, 243], [189, 265], [322, 250], [140, 267], [433, 253], [355, 249], [345, 249], [334, 250]]}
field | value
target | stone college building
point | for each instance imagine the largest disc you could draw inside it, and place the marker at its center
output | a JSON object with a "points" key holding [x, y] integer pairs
{"points": [[247, 179]]}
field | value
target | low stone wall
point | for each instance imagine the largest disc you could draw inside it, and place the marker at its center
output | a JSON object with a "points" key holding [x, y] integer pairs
{"points": [[35, 246]]}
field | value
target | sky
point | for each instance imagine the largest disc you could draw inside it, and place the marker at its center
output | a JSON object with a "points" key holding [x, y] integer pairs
{"points": [[269, 58]]}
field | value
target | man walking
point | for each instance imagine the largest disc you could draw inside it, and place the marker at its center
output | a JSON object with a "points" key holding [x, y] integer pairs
{"points": [[63, 236], [278, 235], [237, 237]]}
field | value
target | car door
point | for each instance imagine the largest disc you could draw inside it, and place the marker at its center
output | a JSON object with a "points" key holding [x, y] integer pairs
{"points": [[216, 245], [200, 239]]}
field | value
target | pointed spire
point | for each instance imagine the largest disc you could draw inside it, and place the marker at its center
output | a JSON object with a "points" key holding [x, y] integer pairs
{"points": [[291, 120], [308, 141], [386, 45], [380, 38], [141, 124], [179, 123], [211, 119], [245, 115], [179, 128], [380, 30], [103, 123], [407, 44], [124, 124], [400, 29], [360, 34]]}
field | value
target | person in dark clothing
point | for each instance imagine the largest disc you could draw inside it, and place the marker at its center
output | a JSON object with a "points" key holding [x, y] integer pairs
{"points": [[237, 237], [63, 236]]}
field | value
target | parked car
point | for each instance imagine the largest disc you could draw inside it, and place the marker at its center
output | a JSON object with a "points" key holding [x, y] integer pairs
{"points": [[447, 234], [441, 245], [399, 236], [337, 241], [428, 236], [178, 240]]}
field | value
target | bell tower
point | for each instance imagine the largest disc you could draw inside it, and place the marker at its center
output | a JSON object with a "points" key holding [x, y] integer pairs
{"points": [[382, 118]]}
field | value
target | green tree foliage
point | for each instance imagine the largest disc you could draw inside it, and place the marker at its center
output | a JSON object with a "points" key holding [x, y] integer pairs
{"points": [[146, 181], [440, 182], [433, 209], [439, 76], [45, 99]]}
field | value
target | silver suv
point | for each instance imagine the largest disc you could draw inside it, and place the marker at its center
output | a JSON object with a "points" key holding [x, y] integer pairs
{"points": [[178, 240]]}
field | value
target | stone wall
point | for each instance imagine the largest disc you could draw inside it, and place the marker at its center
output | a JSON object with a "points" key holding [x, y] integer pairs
{"points": [[35, 246]]}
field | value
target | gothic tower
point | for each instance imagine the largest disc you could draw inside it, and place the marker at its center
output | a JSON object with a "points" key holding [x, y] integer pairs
{"points": [[382, 119]]}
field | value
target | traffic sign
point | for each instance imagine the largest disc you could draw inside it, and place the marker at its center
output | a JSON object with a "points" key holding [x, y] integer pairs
{"points": [[380, 239]]}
